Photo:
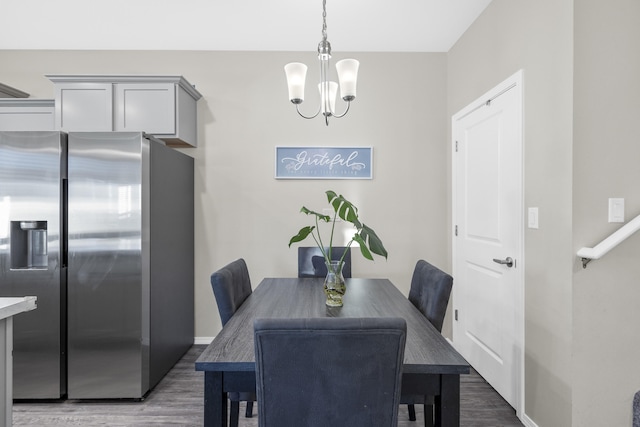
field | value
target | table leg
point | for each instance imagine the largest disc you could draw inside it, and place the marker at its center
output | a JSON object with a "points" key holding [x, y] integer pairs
{"points": [[215, 401], [448, 403]]}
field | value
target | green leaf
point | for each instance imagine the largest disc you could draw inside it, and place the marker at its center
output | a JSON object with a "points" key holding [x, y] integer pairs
{"points": [[302, 234], [325, 218], [345, 209], [330, 195], [363, 247], [375, 244], [366, 238]]}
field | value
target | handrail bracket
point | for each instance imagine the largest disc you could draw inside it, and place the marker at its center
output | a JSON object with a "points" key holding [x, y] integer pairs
{"points": [[587, 254]]}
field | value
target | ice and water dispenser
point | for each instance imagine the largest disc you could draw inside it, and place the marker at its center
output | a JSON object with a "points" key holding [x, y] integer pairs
{"points": [[29, 245]]}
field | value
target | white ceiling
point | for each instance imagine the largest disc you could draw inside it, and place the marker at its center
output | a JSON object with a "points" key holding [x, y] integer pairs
{"points": [[274, 25]]}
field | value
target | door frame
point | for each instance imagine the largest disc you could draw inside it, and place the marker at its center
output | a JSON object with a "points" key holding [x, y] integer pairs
{"points": [[514, 82]]}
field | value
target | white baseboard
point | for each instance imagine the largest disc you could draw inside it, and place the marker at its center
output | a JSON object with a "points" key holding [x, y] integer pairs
{"points": [[203, 340], [528, 422]]}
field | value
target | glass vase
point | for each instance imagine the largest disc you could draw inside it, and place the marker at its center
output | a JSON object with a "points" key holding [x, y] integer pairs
{"points": [[334, 284]]}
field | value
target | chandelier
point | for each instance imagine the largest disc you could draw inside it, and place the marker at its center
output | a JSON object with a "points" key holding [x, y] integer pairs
{"points": [[347, 76]]}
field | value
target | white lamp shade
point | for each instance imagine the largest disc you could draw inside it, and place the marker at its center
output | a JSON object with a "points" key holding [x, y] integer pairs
{"points": [[296, 75], [333, 91], [348, 77]]}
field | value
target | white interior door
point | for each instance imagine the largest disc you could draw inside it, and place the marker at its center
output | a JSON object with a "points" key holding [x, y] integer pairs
{"points": [[487, 246]]}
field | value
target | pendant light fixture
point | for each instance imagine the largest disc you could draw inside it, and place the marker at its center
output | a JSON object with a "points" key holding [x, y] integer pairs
{"points": [[347, 76]]}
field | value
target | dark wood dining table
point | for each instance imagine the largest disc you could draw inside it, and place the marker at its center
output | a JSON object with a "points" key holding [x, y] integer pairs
{"points": [[431, 365]]}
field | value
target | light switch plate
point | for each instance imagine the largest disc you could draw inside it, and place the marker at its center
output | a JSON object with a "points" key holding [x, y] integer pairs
{"points": [[616, 210], [533, 218]]}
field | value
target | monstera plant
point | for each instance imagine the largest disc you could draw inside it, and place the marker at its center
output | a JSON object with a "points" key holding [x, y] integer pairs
{"points": [[364, 236]]}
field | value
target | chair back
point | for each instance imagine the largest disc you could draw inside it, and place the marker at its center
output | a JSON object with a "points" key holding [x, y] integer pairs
{"points": [[311, 262], [430, 291], [231, 286], [335, 372]]}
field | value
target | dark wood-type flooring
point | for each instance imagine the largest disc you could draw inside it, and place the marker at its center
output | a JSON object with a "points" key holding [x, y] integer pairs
{"points": [[178, 401]]}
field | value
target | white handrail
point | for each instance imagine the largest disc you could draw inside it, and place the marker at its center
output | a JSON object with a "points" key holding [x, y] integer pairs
{"points": [[587, 254]]}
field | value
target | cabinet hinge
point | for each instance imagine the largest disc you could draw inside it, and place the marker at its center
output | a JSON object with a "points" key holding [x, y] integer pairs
{"points": [[456, 314]]}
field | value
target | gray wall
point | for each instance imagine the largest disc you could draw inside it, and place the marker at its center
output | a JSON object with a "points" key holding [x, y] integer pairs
{"points": [[241, 210], [606, 153], [581, 106], [536, 37], [579, 147]]}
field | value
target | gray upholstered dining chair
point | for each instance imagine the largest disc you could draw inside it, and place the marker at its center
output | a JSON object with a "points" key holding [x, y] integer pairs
{"points": [[311, 262], [430, 291], [231, 286], [343, 372]]}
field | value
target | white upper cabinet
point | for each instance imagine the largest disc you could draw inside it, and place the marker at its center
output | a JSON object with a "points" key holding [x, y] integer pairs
{"points": [[152, 106], [163, 106], [18, 114], [84, 107]]}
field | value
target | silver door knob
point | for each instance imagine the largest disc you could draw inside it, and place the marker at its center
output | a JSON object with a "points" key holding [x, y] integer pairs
{"points": [[508, 262]]}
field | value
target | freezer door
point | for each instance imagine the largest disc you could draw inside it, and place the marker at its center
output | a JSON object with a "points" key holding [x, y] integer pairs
{"points": [[32, 170], [106, 335]]}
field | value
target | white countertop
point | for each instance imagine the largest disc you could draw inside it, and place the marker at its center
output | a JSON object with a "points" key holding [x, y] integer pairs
{"points": [[10, 306]]}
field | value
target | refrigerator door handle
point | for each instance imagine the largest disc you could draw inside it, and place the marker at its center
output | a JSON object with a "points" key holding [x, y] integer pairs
{"points": [[64, 221]]}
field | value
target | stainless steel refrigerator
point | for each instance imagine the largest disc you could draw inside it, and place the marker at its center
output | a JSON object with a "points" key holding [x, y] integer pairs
{"points": [[99, 226]]}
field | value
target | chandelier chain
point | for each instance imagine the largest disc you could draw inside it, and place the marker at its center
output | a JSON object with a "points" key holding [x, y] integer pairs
{"points": [[347, 75], [324, 20]]}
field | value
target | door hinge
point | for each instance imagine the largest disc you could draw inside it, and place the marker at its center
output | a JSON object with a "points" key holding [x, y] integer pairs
{"points": [[456, 230], [456, 146], [456, 315]]}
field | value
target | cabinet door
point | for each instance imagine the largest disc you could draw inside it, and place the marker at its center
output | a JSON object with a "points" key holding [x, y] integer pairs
{"points": [[146, 107], [84, 107], [26, 114]]}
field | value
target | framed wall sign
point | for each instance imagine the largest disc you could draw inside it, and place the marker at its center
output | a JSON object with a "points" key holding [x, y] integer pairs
{"points": [[324, 163]]}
